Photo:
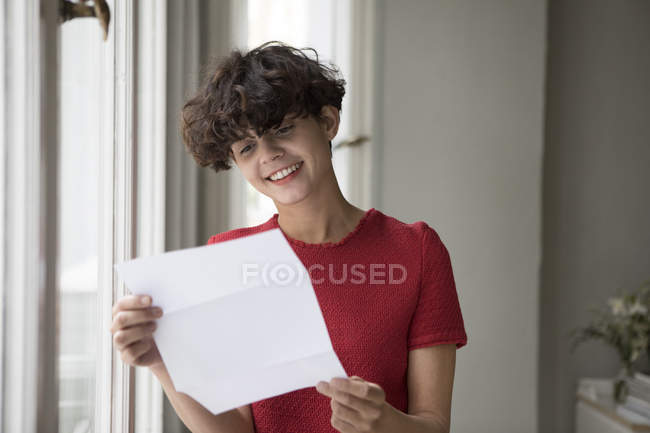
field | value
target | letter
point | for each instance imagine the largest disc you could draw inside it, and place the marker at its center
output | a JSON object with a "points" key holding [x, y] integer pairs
{"points": [[391, 267], [374, 273], [358, 274], [246, 271], [343, 278], [282, 274], [310, 273]]}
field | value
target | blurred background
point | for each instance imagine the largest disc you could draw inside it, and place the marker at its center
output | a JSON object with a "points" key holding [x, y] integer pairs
{"points": [[519, 130]]}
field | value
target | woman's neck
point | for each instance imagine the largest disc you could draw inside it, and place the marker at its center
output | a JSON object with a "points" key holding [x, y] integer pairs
{"points": [[319, 221]]}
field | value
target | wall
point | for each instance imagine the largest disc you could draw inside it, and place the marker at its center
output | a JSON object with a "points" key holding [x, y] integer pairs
{"points": [[596, 185], [462, 127]]}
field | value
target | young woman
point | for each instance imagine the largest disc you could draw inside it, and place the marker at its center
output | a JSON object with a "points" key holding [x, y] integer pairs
{"points": [[386, 288]]}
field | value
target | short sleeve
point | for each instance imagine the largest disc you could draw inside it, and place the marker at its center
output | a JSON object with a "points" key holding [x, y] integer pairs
{"points": [[437, 318]]}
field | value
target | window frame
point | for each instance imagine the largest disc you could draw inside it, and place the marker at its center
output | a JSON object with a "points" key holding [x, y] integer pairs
{"points": [[362, 101], [28, 45], [151, 98], [114, 391]]}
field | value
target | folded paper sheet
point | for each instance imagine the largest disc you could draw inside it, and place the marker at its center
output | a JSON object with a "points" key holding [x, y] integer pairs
{"points": [[241, 320]]}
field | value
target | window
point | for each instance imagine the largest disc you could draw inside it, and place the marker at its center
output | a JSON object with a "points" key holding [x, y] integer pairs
{"points": [[77, 255], [66, 183]]}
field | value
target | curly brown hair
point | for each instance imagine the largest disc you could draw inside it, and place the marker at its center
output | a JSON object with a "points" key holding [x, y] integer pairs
{"points": [[255, 91]]}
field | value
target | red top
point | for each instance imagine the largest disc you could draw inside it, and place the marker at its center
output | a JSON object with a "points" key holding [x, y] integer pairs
{"points": [[386, 288]]}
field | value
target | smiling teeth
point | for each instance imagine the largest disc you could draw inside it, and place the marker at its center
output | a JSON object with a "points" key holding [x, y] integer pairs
{"points": [[283, 173]]}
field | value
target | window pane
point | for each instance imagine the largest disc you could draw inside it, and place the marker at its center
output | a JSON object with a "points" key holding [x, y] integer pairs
{"points": [[81, 44]]}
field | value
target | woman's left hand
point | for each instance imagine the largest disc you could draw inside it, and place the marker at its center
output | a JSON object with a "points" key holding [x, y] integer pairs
{"points": [[357, 405]]}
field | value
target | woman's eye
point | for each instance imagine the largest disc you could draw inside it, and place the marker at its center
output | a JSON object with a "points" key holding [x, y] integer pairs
{"points": [[285, 130], [245, 148]]}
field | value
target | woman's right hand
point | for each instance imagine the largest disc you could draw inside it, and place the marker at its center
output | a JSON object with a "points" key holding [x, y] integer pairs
{"points": [[132, 328]]}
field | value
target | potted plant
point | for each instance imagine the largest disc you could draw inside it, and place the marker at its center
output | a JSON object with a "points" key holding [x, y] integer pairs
{"points": [[625, 326]]}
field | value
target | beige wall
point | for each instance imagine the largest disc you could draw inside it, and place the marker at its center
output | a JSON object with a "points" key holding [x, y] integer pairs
{"points": [[462, 119], [596, 184]]}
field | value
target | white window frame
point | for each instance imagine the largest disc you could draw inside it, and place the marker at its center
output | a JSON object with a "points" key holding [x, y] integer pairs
{"points": [[151, 76], [114, 379], [362, 102], [133, 197], [28, 45]]}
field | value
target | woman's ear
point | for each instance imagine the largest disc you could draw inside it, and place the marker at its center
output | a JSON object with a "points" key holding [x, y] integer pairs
{"points": [[330, 119]]}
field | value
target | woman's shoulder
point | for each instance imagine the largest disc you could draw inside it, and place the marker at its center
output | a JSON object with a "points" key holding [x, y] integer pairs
{"points": [[403, 237], [392, 225]]}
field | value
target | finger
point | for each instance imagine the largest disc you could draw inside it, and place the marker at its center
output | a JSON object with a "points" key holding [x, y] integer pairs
{"points": [[147, 357], [346, 413], [124, 337], [325, 389], [124, 319], [368, 410], [360, 388], [342, 426], [134, 351], [131, 302]]}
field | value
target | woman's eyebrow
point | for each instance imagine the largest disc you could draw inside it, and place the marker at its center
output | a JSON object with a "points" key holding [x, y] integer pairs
{"points": [[250, 135]]}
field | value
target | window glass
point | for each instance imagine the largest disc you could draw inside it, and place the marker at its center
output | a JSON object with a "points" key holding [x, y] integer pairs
{"points": [[81, 45]]}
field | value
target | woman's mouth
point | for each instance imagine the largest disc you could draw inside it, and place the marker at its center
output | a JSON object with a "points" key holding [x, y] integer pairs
{"points": [[283, 176]]}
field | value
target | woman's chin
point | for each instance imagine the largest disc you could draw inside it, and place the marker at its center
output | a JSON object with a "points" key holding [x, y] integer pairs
{"points": [[289, 197]]}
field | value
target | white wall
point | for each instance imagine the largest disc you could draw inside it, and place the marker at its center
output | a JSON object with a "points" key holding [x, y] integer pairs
{"points": [[462, 119], [596, 185]]}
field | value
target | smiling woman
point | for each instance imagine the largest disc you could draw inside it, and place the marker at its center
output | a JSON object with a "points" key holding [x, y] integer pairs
{"points": [[296, 153], [273, 112]]}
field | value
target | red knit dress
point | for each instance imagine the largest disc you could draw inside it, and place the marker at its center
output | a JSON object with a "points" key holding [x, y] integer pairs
{"points": [[384, 289]]}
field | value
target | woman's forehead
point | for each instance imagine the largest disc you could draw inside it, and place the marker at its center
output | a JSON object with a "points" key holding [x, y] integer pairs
{"points": [[251, 132]]}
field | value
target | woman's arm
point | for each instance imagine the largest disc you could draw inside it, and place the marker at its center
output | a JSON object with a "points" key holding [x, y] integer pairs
{"points": [[196, 417], [430, 380]]}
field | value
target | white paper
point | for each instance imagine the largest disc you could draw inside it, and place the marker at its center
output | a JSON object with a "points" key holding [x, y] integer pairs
{"points": [[241, 320]]}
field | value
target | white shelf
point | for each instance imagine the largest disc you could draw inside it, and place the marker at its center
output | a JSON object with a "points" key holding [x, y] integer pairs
{"points": [[597, 412]]}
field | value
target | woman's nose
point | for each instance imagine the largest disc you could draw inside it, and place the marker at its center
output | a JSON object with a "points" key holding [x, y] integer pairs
{"points": [[270, 150]]}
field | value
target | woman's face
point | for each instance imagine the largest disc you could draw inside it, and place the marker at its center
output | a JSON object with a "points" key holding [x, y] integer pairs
{"points": [[288, 163]]}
